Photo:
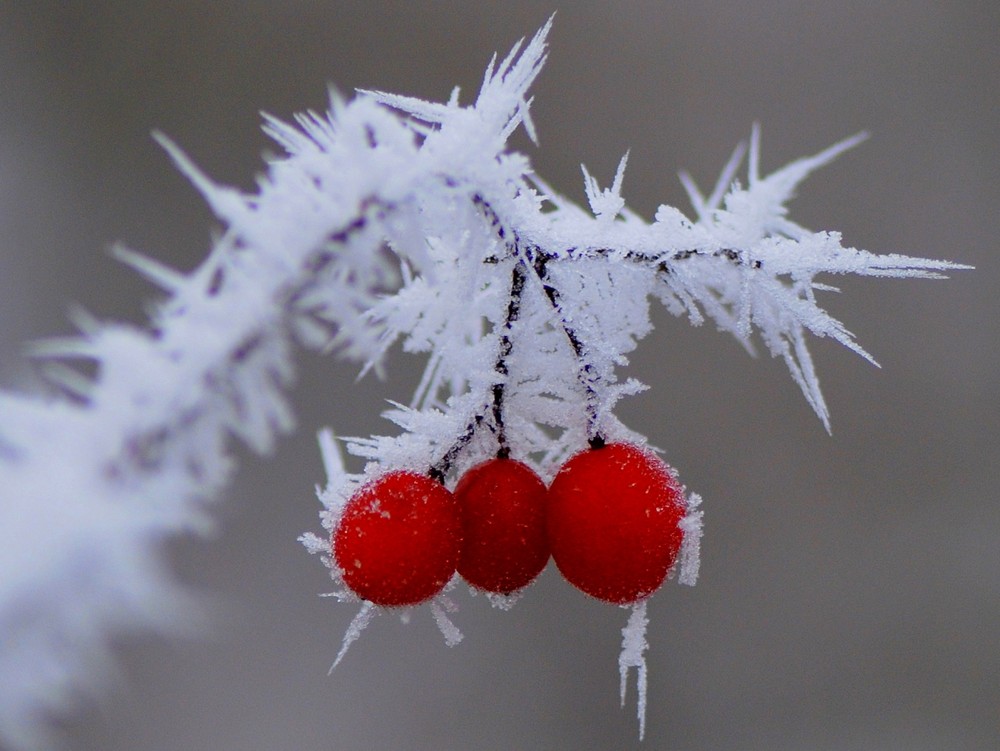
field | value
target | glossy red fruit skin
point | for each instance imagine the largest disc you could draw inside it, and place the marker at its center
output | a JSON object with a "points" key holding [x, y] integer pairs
{"points": [[613, 522], [398, 539], [502, 503]]}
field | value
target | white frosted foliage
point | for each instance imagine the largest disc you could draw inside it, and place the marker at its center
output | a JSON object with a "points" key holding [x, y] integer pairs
{"points": [[388, 220]]}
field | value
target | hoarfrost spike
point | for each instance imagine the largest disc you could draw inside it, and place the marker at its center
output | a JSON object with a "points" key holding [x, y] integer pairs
{"points": [[358, 625], [634, 646], [689, 558], [440, 608], [228, 204], [160, 274]]}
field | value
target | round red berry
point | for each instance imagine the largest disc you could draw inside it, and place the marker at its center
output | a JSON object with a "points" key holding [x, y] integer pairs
{"points": [[613, 522], [502, 503], [398, 539]]}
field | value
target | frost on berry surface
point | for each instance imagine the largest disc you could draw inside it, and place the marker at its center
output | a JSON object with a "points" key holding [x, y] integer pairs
{"points": [[398, 540], [614, 514], [387, 221], [505, 546]]}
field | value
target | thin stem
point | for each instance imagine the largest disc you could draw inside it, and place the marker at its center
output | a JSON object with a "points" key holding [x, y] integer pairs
{"points": [[585, 374], [440, 470], [517, 279]]}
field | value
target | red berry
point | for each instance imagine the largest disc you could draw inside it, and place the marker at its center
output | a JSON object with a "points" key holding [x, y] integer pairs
{"points": [[613, 516], [398, 540], [502, 503]]}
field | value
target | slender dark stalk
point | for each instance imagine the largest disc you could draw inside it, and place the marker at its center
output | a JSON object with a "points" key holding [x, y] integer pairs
{"points": [[585, 372], [517, 279], [440, 470]]}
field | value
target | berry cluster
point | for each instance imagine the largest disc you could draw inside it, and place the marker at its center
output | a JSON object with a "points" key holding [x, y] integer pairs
{"points": [[527, 307], [611, 520]]}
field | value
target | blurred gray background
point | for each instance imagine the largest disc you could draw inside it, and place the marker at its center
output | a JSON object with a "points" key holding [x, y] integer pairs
{"points": [[850, 588]]}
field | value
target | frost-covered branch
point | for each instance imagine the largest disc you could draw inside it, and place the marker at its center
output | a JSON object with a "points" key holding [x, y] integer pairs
{"points": [[389, 219]]}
